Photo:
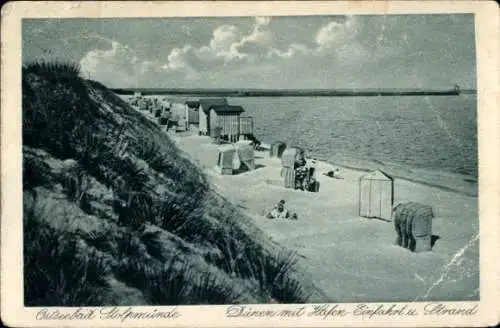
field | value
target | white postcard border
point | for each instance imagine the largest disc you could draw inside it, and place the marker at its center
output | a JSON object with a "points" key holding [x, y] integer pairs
{"points": [[487, 59]]}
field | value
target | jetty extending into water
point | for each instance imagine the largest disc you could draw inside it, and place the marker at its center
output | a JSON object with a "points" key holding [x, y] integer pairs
{"points": [[455, 91]]}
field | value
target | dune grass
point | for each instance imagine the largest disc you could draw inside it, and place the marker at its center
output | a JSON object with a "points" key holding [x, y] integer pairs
{"points": [[54, 69], [175, 282], [56, 272], [129, 156], [57, 110]]}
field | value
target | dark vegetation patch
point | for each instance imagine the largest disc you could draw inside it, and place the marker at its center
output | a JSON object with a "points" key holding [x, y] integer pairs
{"points": [[167, 235]]}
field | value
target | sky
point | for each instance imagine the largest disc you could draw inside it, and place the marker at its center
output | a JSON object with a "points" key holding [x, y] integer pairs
{"points": [[280, 52]]}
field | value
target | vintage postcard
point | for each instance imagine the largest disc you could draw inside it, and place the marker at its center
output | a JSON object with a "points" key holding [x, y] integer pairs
{"points": [[250, 164]]}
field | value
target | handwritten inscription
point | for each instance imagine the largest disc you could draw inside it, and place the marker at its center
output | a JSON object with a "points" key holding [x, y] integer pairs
{"points": [[239, 311], [78, 314], [113, 313], [329, 311], [325, 311], [442, 309], [384, 310], [321, 311]]}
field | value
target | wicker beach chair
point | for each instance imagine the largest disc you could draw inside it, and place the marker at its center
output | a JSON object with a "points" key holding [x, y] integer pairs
{"points": [[225, 160], [413, 224], [289, 159], [246, 155], [277, 148]]}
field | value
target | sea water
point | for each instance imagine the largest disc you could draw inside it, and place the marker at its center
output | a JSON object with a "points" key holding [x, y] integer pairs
{"points": [[400, 133]]}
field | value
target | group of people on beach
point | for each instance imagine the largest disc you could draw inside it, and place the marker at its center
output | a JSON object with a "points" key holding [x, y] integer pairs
{"points": [[305, 180]]}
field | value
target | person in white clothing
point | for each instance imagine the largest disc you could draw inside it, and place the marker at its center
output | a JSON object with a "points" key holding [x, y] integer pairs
{"points": [[279, 211]]}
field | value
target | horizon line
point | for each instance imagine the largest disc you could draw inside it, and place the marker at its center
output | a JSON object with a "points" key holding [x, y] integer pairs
{"points": [[293, 89], [249, 92]]}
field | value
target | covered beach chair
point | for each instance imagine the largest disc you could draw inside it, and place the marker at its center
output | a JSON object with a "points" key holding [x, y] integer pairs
{"points": [[173, 122], [277, 149], [413, 224], [165, 117], [225, 160], [246, 155], [289, 159]]}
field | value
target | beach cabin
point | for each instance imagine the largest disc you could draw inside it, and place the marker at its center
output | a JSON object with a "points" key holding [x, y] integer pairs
{"points": [[227, 118], [246, 126], [376, 195], [204, 113], [193, 117]]}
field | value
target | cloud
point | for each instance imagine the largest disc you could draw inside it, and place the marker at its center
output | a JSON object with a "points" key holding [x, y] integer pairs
{"points": [[332, 51], [227, 54], [227, 47], [229, 44], [118, 66], [335, 32], [223, 37], [335, 40], [176, 59], [119, 59]]}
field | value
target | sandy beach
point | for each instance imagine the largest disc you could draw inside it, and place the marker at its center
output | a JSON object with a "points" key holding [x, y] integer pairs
{"points": [[350, 258]]}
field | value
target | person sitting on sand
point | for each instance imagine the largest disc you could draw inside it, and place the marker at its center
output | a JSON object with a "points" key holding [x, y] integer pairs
{"points": [[280, 212]]}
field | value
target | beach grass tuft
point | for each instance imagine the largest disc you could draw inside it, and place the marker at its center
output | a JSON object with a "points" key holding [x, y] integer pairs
{"points": [[57, 69], [57, 273], [150, 152]]}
